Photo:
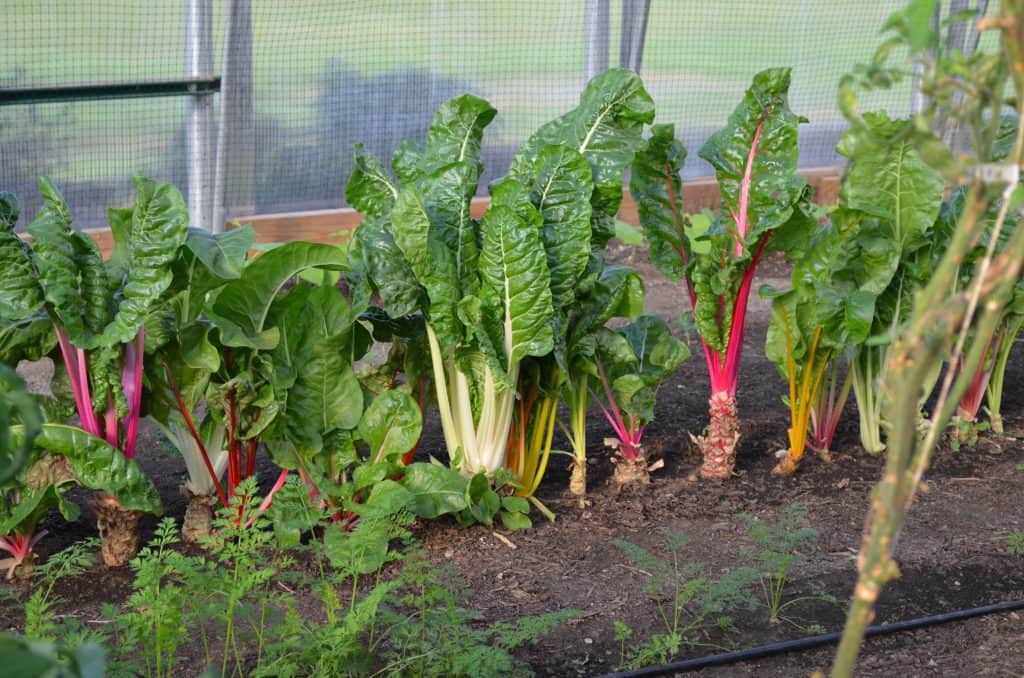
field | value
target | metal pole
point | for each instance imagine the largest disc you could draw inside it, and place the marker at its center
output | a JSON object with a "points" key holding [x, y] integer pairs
{"points": [[634, 30], [227, 100], [199, 116], [595, 37]]}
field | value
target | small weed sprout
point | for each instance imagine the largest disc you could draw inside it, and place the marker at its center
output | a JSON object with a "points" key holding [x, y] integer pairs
{"points": [[689, 603], [70, 562], [777, 548], [1015, 544]]}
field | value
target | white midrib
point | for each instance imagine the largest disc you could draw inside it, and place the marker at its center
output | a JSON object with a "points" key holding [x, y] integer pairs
{"points": [[593, 128], [897, 193]]}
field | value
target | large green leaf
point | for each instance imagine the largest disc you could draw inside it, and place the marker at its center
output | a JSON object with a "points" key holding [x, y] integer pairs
{"points": [[376, 259], [240, 309], [430, 261], [20, 294], [370, 190], [325, 395], [97, 465], [455, 134], [561, 193], [755, 157], [391, 425], [447, 193], [657, 190], [619, 293], [436, 490], [606, 128], [159, 229], [515, 290], [659, 353], [887, 178], [29, 339], [222, 253], [56, 258]]}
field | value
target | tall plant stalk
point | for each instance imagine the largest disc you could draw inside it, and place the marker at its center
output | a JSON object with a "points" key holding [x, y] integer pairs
{"points": [[939, 326]]}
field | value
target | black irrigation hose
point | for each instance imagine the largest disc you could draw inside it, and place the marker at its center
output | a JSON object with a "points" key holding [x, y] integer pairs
{"points": [[809, 642]]}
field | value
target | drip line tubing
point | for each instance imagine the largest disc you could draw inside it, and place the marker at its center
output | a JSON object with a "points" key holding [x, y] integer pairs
{"points": [[809, 642]]}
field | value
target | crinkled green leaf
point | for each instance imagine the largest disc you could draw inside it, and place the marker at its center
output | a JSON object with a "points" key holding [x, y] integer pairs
{"points": [[447, 193], [16, 405], [159, 229], [561, 193], [98, 465], [20, 294], [659, 353], [376, 260], [606, 128], [515, 290], [888, 179], [456, 132], [755, 157], [430, 261], [325, 395], [657, 190], [29, 339], [370, 189]]}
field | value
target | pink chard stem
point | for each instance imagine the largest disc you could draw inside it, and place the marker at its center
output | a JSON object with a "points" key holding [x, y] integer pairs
{"points": [[132, 380]]}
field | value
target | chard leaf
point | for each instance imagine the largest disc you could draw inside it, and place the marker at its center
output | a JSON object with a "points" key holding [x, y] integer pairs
{"points": [[887, 178], [159, 229], [659, 353], [376, 259], [430, 261], [97, 465], [447, 193], [605, 128], [755, 158], [325, 394], [222, 253], [561, 193], [32, 507], [56, 257], [20, 294], [436, 490], [16, 405], [391, 425], [240, 309], [657, 190], [407, 162], [515, 290], [456, 132], [370, 190], [29, 339]]}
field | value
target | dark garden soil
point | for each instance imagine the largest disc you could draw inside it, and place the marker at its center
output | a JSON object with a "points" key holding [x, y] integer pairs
{"points": [[951, 551]]}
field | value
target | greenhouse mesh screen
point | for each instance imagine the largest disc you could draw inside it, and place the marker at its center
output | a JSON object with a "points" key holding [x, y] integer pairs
{"points": [[320, 75]]}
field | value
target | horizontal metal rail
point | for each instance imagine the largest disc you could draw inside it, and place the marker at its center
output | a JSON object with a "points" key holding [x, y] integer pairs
{"points": [[47, 94]]}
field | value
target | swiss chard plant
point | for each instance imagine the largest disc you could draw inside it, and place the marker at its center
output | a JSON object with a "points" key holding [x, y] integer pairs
{"points": [[891, 194], [840, 270], [180, 360], [631, 363], [497, 293], [755, 159], [258, 364], [96, 309]]}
